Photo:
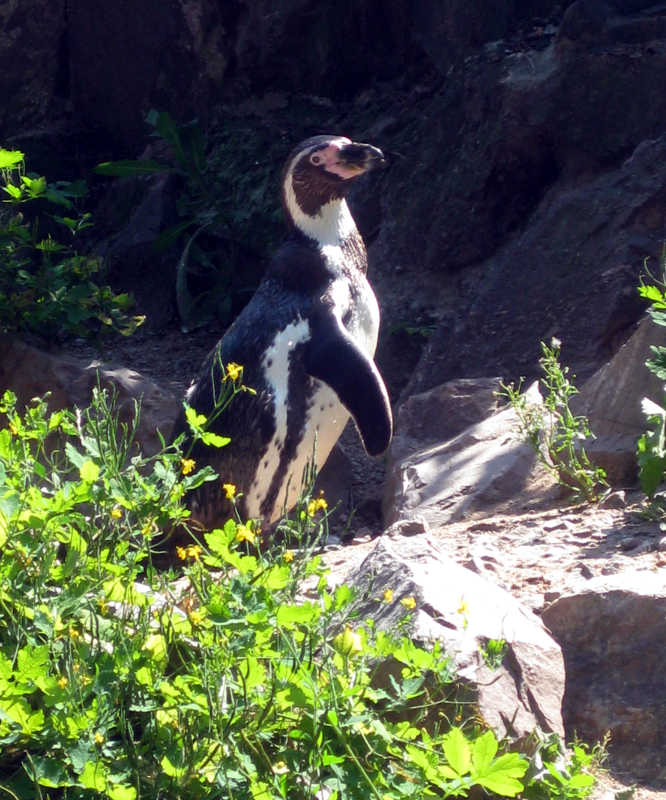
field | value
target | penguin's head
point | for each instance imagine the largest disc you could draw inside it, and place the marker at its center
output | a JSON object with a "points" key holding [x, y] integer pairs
{"points": [[319, 172]]}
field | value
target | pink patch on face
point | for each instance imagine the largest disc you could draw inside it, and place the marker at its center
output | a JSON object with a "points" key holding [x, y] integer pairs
{"points": [[329, 159]]}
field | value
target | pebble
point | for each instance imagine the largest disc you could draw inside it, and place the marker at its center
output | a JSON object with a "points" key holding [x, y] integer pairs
{"points": [[614, 500], [629, 543]]}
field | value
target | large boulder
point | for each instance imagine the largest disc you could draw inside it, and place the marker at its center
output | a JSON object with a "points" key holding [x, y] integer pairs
{"points": [[479, 469], [612, 633], [464, 612], [30, 372], [611, 400]]}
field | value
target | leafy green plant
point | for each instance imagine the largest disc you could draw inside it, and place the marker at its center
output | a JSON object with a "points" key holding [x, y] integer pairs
{"points": [[555, 433], [47, 286], [493, 652], [119, 681], [651, 446], [557, 775], [221, 208]]}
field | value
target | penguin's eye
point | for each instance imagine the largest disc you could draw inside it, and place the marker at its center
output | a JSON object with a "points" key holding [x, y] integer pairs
{"points": [[315, 159]]}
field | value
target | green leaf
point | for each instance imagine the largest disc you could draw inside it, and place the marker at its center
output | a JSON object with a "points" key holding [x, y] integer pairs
{"points": [[130, 168], [195, 421], [214, 440], [457, 751], [484, 750], [276, 577], [36, 186], [93, 776], [33, 662], [581, 781], [13, 191], [10, 158], [288, 616], [502, 775], [49, 772], [89, 471], [121, 792]]}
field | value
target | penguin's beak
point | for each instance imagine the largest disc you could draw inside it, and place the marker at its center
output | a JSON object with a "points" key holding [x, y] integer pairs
{"points": [[361, 157]]}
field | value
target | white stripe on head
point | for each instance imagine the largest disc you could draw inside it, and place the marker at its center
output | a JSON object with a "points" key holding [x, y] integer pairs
{"points": [[334, 222]]}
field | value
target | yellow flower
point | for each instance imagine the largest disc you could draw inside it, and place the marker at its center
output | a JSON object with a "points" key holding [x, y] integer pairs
{"points": [[195, 617], [288, 556], [388, 596], [462, 608], [62, 682], [192, 551], [187, 465], [348, 643], [116, 513], [234, 371], [245, 534], [229, 490], [408, 602], [99, 738], [317, 505], [74, 634]]}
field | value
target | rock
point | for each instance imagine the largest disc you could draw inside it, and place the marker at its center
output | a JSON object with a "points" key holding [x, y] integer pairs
{"points": [[588, 229], [485, 464], [408, 527], [29, 372], [611, 400], [584, 21], [442, 413], [31, 37], [464, 611], [130, 249], [612, 634], [118, 66]]}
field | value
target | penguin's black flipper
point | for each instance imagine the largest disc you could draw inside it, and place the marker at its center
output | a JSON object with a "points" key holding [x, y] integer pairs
{"points": [[333, 357]]}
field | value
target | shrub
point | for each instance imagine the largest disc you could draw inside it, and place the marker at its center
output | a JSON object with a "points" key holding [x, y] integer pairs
{"points": [[651, 446], [555, 433], [48, 287]]}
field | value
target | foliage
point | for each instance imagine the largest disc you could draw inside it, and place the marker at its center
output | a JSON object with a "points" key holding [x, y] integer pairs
{"points": [[116, 681], [651, 445], [555, 433], [222, 211], [555, 775], [47, 286], [493, 652]]}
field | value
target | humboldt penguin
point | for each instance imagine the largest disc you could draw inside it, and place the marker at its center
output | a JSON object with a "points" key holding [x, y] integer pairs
{"points": [[306, 342]]}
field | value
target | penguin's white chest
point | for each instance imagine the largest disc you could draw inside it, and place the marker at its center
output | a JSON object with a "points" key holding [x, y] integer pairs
{"points": [[324, 421]]}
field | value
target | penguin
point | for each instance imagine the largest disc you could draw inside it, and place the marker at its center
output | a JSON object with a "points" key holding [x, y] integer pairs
{"points": [[306, 342]]}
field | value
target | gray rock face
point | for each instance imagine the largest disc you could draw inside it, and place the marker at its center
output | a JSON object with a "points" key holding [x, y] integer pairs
{"points": [[464, 611], [481, 466], [611, 400], [612, 633], [442, 413]]}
